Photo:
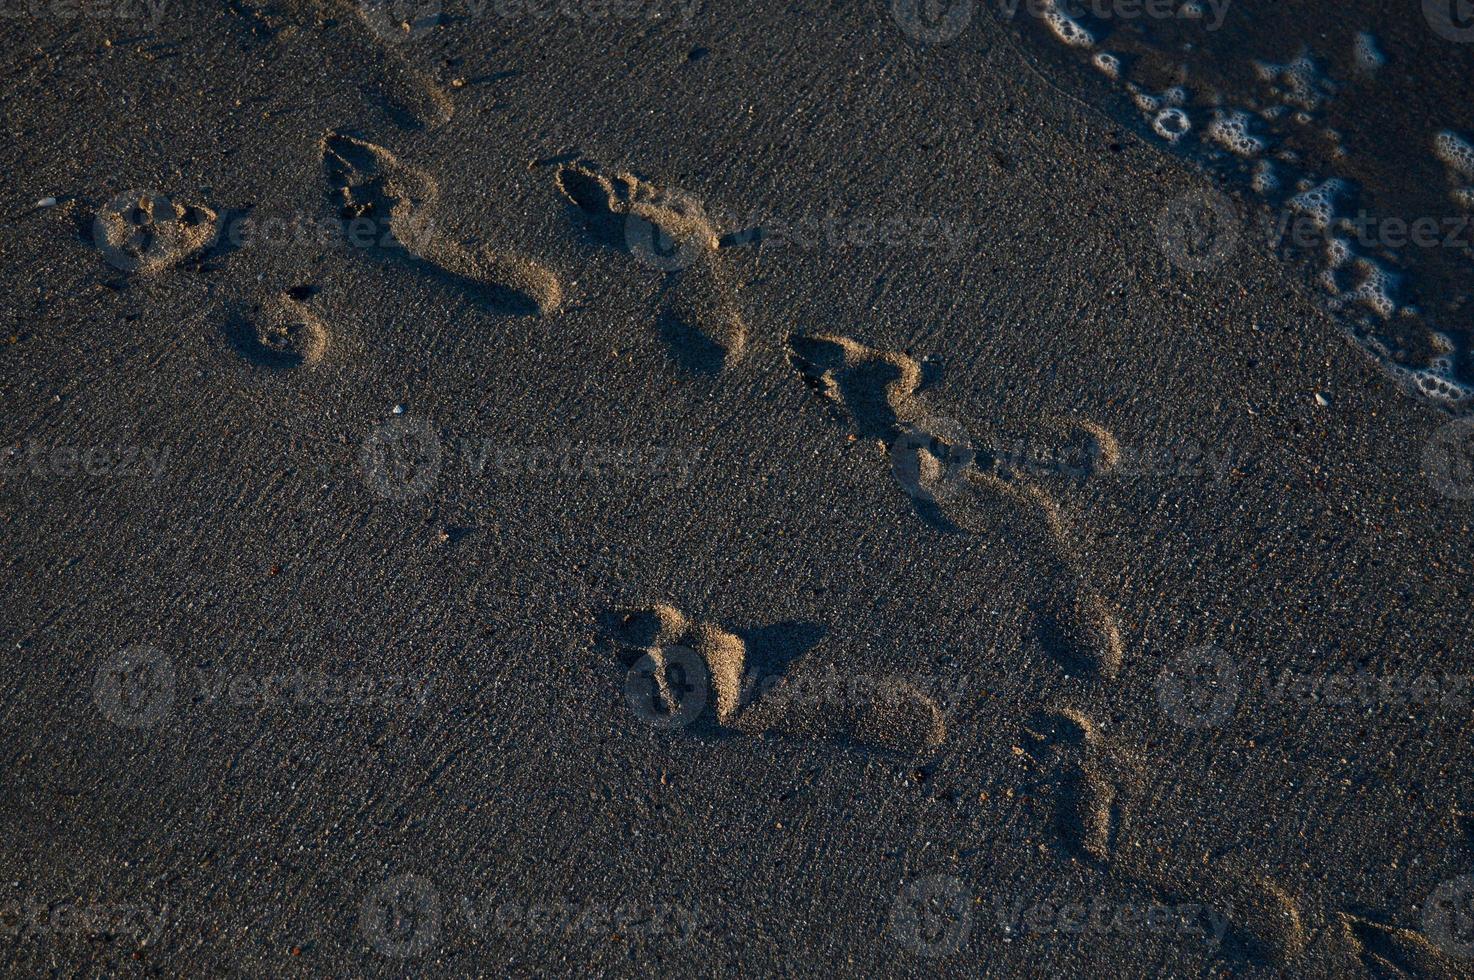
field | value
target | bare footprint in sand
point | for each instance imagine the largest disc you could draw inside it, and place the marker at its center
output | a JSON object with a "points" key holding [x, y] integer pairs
{"points": [[669, 231], [282, 333], [947, 478], [144, 232], [367, 181], [1387, 951], [1089, 785], [678, 670], [1064, 749], [408, 95]]}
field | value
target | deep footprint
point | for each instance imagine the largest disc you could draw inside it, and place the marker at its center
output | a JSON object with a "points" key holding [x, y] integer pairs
{"points": [[668, 231], [1064, 746], [880, 393], [367, 181], [680, 670]]}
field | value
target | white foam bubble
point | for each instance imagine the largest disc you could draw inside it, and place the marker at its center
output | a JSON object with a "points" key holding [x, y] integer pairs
{"points": [[1171, 124], [1338, 251], [1319, 202], [1066, 28], [1265, 179], [1298, 83], [1108, 64], [1434, 384], [1455, 152], [1374, 291], [1231, 131]]}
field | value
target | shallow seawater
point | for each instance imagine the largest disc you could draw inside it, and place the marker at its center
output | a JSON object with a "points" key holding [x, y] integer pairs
{"points": [[1351, 123]]}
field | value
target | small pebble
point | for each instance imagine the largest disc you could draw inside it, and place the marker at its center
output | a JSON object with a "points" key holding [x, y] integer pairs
{"points": [[398, 409], [1321, 400], [46, 202]]}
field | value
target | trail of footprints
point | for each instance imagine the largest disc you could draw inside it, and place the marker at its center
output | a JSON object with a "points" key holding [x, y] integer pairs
{"points": [[880, 394], [1087, 781]]}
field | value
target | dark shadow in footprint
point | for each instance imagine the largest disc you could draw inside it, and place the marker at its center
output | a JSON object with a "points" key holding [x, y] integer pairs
{"points": [[772, 649], [868, 387], [591, 196], [691, 348], [1064, 639], [281, 334]]}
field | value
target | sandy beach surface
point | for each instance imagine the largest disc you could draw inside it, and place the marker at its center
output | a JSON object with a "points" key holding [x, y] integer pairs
{"points": [[790, 488]]}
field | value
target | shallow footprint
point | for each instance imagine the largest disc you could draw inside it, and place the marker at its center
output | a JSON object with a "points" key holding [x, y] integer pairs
{"points": [[145, 233], [669, 231], [409, 96], [368, 182], [1387, 951], [281, 334], [891, 714]]}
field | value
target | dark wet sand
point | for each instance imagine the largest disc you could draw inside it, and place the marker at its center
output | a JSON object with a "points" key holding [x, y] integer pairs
{"points": [[223, 511]]}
